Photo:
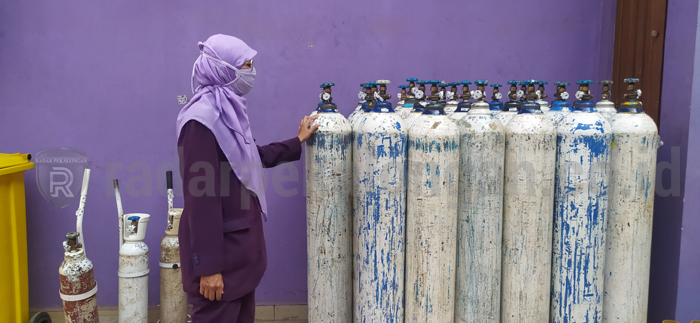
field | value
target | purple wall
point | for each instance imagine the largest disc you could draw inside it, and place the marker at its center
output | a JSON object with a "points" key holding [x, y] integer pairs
{"points": [[688, 300], [103, 77], [666, 285]]}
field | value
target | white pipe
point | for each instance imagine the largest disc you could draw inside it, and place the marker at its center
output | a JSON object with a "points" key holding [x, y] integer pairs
{"points": [[81, 208], [120, 211]]}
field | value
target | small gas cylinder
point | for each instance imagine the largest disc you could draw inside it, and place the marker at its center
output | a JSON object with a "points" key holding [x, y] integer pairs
{"points": [[605, 106], [482, 142], [544, 105], [379, 182], [173, 300], [431, 221], [528, 202], [78, 286], [451, 97], [407, 106], [133, 270], [329, 217], [560, 107], [580, 210], [511, 107], [633, 177], [496, 105]]}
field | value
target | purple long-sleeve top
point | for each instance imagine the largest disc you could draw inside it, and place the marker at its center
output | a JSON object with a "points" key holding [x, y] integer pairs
{"points": [[221, 226]]}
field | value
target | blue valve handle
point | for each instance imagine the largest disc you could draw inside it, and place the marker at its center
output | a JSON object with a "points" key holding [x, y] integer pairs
{"points": [[481, 82], [327, 85], [411, 79], [403, 86], [542, 83], [496, 85], [133, 218], [631, 80], [465, 82], [513, 82], [562, 83], [581, 82]]}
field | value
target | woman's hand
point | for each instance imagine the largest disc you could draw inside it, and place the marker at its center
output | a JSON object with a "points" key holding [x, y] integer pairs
{"points": [[211, 286], [305, 128]]}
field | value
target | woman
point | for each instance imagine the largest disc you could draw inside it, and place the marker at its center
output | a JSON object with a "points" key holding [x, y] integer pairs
{"points": [[222, 247]]}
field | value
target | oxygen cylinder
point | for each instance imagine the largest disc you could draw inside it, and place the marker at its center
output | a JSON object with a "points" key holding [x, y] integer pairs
{"points": [[431, 222], [544, 106], [580, 209], [560, 107], [379, 181], [419, 106], [405, 109], [635, 143], [366, 107], [362, 96], [329, 217], [451, 97], [464, 106], [133, 270], [173, 300], [528, 201], [605, 106], [496, 105], [78, 286], [511, 107], [482, 142], [133, 264]]}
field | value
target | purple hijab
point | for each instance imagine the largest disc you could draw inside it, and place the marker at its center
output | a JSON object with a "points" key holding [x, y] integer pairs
{"points": [[219, 108]]}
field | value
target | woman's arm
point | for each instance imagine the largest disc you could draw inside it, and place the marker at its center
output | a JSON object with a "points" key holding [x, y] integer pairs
{"points": [[289, 150]]}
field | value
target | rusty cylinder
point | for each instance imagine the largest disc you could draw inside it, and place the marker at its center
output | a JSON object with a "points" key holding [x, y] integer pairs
{"points": [[78, 286]]}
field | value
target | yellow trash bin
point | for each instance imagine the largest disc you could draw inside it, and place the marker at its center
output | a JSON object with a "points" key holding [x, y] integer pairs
{"points": [[14, 298]]}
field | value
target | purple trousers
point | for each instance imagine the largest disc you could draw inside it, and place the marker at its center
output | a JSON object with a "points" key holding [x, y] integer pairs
{"points": [[241, 310]]}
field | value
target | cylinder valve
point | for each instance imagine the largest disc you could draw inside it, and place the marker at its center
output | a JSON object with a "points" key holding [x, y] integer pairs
{"points": [[606, 90], [540, 89], [583, 93], [561, 94], [513, 91], [497, 96]]}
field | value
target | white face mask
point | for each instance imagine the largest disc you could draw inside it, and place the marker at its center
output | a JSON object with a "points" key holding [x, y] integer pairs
{"points": [[244, 82]]}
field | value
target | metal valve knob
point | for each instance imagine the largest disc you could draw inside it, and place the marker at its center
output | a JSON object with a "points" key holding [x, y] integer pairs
{"points": [[605, 95]]}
